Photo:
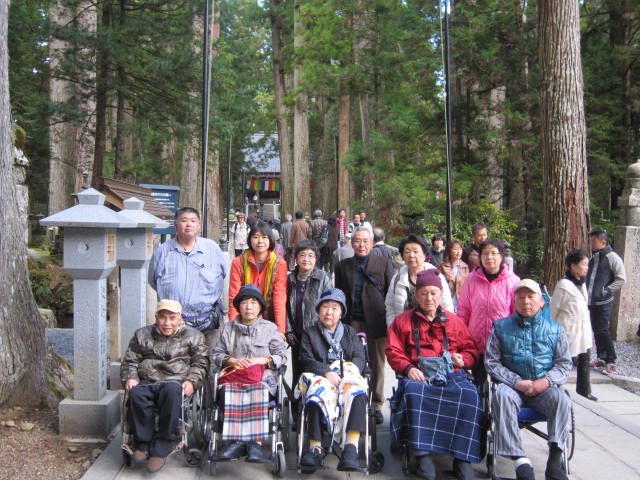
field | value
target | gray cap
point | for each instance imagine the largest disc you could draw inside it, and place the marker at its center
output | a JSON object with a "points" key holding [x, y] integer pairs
{"points": [[333, 294]]}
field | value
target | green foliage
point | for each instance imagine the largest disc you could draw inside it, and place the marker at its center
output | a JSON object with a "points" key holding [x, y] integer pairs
{"points": [[52, 288]]}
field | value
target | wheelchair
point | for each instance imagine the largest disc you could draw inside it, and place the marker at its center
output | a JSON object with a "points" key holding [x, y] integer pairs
{"points": [[527, 419], [192, 433], [373, 459], [279, 414]]}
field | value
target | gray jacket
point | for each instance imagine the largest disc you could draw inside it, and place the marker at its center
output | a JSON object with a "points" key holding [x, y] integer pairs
{"points": [[317, 283], [261, 339], [605, 277], [155, 357]]}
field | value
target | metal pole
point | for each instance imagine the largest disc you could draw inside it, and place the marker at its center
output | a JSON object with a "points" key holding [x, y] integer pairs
{"points": [[448, 117], [229, 188], [206, 87], [336, 155]]}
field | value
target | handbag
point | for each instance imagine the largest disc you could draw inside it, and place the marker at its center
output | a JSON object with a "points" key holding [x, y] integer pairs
{"points": [[236, 374], [436, 370]]}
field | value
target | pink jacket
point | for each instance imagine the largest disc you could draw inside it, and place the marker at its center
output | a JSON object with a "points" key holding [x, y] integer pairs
{"points": [[481, 302]]}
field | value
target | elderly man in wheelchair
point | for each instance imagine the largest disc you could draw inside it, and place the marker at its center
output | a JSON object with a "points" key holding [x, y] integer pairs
{"points": [[528, 354], [163, 362]]}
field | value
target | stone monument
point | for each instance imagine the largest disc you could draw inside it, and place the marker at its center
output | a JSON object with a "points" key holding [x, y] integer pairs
{"points": [[626, 311], [89, 255]]}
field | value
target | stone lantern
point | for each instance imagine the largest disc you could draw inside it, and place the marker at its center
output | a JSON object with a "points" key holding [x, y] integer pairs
{"points": [[134, 249], [626, 312], [89, 255]]}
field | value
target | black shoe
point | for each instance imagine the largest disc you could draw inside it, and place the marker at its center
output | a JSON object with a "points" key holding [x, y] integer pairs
{"points": [[426, 468], [233, 451], [554, 470], [312, 460], [254, 453], [525, 472], [379, 418], [589, 396], [463, 470], [349, 459]]}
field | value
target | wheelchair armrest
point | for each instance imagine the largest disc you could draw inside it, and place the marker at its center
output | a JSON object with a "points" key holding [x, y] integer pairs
{"points": [[282, 370]]}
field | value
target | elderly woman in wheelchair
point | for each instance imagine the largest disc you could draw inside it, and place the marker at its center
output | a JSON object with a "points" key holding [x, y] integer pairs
{"points": [[528, 354], [435, 409], [164, 363], [250, 352], [334, 392]]}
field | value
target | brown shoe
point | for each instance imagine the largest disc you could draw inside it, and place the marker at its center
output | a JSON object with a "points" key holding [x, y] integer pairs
{"points": [[156, 463], [139, 456]]}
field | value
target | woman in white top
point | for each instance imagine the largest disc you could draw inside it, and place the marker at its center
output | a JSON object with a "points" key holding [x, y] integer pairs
{"points": [[413, 249], [570, 309]]}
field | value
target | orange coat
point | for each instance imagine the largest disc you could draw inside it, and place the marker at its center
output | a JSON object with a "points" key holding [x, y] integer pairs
{"points": [[278, 312]]}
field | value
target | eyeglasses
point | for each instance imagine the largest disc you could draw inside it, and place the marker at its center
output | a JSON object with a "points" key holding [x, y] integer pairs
{"points": [[306, 256]]}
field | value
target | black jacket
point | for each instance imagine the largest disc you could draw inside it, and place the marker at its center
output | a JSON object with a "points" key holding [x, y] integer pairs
{"points": [[314, 350]]}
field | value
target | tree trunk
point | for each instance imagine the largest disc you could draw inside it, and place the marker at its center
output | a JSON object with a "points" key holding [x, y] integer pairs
{"points": [[324, 165], [214, 185], [102, 89], [71, 143], [281, 86], [344, 142], [300, 121], [189, 181], [563, 134], [22, 339]]}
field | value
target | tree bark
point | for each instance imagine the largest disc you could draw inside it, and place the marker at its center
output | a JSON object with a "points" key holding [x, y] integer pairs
{"points": [[300, 120], [22, 339], [214, 185], [344, 142], [71, 143], [281, 86], [102, 90], [563, 134]]}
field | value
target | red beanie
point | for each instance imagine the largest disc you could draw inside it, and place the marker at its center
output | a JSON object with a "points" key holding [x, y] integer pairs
{"points": [[429, 277]]}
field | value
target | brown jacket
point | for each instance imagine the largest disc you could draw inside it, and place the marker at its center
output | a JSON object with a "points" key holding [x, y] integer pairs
{"points": [[300, 231], [455, 285], [372, 297], [155, 357]]}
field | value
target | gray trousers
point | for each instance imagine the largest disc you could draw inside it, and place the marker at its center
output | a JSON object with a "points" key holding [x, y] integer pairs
{"points": [[553, 403]]}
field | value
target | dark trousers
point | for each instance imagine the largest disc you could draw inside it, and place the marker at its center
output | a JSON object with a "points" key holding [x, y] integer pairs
{"points": [[143, 400], [355, 422], [583, 382], [600, 318]]}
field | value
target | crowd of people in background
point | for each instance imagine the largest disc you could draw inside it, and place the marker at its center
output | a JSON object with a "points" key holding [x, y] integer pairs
{"points": [[320, 281]]}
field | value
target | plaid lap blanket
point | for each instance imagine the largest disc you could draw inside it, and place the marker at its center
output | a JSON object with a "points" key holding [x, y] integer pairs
{"points": [[246, 412], [445, 420]]}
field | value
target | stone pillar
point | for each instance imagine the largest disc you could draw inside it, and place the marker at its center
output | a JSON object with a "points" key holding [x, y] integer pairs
{"points": [[135, 247], [89, 255], [626, 312]]}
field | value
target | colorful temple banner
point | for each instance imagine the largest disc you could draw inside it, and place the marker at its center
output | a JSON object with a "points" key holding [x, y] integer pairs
{"points": [[263, 185]]}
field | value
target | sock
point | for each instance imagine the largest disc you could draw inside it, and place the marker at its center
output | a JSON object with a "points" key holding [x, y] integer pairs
{"points": [[520, 461], [353, 437], [315, 444]]}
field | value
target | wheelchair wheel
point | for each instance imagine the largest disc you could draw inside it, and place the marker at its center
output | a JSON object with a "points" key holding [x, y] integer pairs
{"points": [[373, 428], [491, 466], [284, 425], [279, 463], [126, 459], [376, 463], [192, 457]]}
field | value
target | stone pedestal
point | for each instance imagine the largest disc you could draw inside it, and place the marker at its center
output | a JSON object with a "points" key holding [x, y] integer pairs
{"points": [[626, 312], [90, 419]]}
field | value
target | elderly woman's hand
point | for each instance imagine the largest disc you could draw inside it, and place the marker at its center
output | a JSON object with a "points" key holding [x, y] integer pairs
{"points": [[333, 377], [247, 362], [415, 374]]}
